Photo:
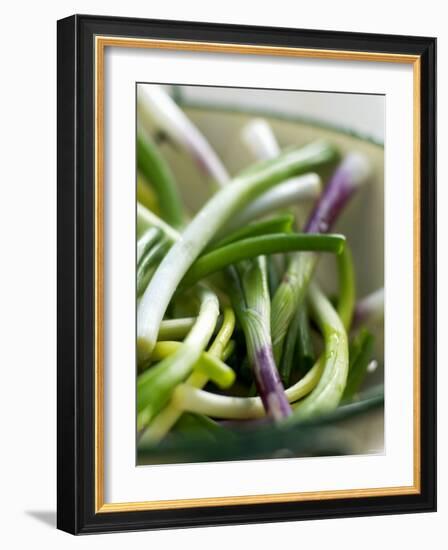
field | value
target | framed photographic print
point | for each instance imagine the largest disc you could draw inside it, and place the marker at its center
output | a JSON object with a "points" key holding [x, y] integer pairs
{"points": [[246, 274]]}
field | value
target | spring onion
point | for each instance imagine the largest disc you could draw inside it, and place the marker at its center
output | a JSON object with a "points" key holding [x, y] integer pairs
{"points": [[250, 297], [155, 107], [351, 173], [154, 386], [204, 226], [256, 246], [212, 369], [240, 353], [156, 171], [328, 392]]}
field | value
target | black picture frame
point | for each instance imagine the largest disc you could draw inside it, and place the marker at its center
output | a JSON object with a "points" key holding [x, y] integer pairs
{"points": [[75, 271]]}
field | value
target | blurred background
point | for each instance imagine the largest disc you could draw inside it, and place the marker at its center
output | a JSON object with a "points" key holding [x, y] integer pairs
{"points": [[360, 113]]}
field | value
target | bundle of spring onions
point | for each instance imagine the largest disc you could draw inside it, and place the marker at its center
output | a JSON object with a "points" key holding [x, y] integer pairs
{"points": [[240, 353]]}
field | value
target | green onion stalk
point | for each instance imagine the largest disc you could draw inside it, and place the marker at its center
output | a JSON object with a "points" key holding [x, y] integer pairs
{"points": [[147, 220], [208, 367], [149, 262], [305, 348], [347, 287], [156, 108], [298, 354], [149, 225], [155, 237], [328, 393], [239, 408], [252, 247], [250, 298], [259, 138], [155, 385], [283, 195], [157, 172], [366, 401], [147, 241], [281, 223], [204, 226], [298, 344], [321, 388], [324, 384], [351, 173], [361, 351], [176, 329], [335, 339]]}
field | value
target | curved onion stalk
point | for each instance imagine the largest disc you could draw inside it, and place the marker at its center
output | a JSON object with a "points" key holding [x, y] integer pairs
{"points": [[250, 297], [274, 272], [288, 298], [145, 194], [298, 353], [147, 219], [351, 173], [156, 107], [367, 400], [259, 138], [146, 241], [347, 289], [361, 350], [305, 349], [324, 383], [204, 227], [157, 172], [284, 195], [166, 419], [328, 393], [370, 309], [261, 141], [155, 386], [148, 264], [256, 246], [223, 406], [176, 329], [281, 223], [228, 350], [208, 365]]}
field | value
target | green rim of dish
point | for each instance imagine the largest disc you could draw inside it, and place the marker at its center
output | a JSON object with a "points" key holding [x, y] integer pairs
{"points": [[223, 107]]}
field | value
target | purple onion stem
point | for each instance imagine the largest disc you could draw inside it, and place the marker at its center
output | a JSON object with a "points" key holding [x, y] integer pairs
{"points": [[352, 171], [350, 174], [251, 301], [269, 385]]}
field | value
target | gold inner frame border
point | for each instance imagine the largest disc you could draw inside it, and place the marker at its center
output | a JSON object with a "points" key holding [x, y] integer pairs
{"points": [[101, 42]]}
